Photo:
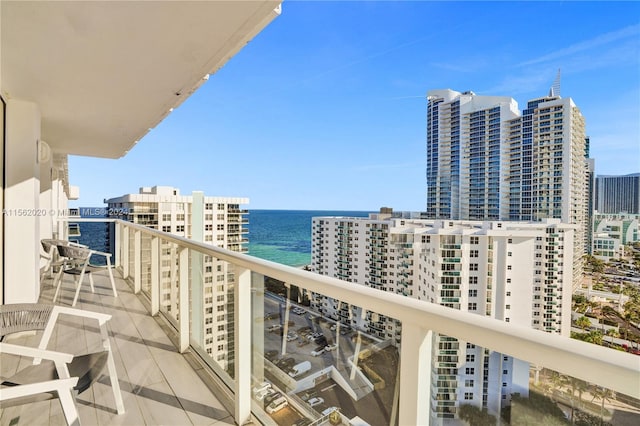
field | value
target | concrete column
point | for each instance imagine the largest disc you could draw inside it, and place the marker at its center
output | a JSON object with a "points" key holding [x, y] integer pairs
{"points": [[22, 203], [46, 201]]}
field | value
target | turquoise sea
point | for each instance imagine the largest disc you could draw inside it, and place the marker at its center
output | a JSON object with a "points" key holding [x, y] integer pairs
{"points": [[284, 236]]}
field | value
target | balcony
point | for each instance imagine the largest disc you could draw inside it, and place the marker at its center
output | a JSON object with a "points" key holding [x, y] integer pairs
{"points": [[171, 374]]}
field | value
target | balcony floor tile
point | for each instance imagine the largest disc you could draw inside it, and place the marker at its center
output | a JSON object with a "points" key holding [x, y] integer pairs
{"points": [[158, 385]]}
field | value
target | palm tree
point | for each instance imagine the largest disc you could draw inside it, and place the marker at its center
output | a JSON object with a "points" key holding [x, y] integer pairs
{"points": [[603, 394], [583, 322]]}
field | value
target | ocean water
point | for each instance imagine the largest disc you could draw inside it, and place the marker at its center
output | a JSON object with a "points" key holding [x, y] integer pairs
{"points": [[284, 236]]}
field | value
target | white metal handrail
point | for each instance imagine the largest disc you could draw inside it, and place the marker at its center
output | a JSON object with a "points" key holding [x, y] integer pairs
{"points": [[612, 369]]}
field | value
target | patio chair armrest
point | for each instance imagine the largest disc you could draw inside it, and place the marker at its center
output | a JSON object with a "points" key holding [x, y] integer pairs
{"points": [[100, 317], [54, 356], [58, 385], [101, 253], [71, 243]]}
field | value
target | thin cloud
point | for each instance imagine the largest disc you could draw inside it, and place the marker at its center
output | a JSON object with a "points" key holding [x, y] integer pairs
{"points": [[630, 31]]}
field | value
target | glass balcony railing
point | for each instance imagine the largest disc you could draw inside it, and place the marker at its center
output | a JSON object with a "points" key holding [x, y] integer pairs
{"points": [[291, 346]]}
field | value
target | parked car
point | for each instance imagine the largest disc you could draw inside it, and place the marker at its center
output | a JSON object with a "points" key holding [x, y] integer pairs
{"points": [[263, 394], [291, 336], [274, 327], [314, 336], [331, 347], [298, 311], [303, 342], [304, 329], [277, 405], [318, 351], [308, 394], [329, 410], [271, 397], [261, 387], [320, 340], [299, 369], [315, 401], [333, 327]]}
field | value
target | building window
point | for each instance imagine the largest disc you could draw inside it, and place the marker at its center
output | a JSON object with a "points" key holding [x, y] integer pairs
{"points": [[469, 370], [468, 383], [473, 293], [468, 395], [166, 228], [472, 306], [473, 266], [474, 240], [471, 357], [473, 253]]}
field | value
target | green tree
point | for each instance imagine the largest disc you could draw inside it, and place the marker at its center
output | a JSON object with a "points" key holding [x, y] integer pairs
{"points": [[583, 322], [475, 416]]}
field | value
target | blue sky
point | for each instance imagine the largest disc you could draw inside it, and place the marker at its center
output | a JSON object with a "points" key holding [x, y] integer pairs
{"points": [[325, 108]]}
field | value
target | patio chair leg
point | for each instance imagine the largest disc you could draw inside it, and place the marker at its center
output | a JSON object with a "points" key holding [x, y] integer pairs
{"points": [[78, 287], [113, 374], [58, 280], [69, 408], [113, 283], [93, 290]]}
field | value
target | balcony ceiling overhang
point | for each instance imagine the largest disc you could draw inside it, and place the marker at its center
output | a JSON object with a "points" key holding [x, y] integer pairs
{"points": [[104, 73]]}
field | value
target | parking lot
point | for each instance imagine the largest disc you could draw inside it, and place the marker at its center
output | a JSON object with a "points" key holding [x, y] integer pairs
{"points": [[375, 407]]}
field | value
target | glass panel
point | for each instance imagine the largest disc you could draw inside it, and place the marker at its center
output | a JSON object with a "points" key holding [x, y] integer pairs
{"points": [[481, 386], [212, 312], [169, 278], [145, 263], [321, 355]]}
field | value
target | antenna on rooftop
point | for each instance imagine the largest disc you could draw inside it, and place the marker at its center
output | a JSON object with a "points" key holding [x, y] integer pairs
{"points": [[555, 87]]}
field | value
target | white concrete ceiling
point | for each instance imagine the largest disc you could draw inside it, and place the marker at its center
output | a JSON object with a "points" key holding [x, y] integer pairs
{"points": [[103, 73]]}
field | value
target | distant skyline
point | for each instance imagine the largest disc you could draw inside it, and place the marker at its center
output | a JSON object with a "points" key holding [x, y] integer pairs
{"points": [[325, 108]]}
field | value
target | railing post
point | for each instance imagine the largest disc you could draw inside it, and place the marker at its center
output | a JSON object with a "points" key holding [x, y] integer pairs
{"points": [[155, 275], [415, 375], [125, 252], [117, 245], [137, 262], [183, 298], [242, 345]]}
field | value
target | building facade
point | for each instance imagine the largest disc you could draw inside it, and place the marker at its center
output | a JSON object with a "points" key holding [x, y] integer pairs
{"points": [[612, 232], [213, 220], [487, 161], [517, 272], [618, 194]]}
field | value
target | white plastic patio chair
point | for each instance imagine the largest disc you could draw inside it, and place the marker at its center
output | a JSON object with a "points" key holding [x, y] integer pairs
{"points": [[34, 316], [13, 394]]}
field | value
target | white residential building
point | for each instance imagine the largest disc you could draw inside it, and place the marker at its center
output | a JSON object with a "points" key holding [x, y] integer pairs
{"points": [[486, 161], [611, 232], [214, 220], [516, 272]]}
